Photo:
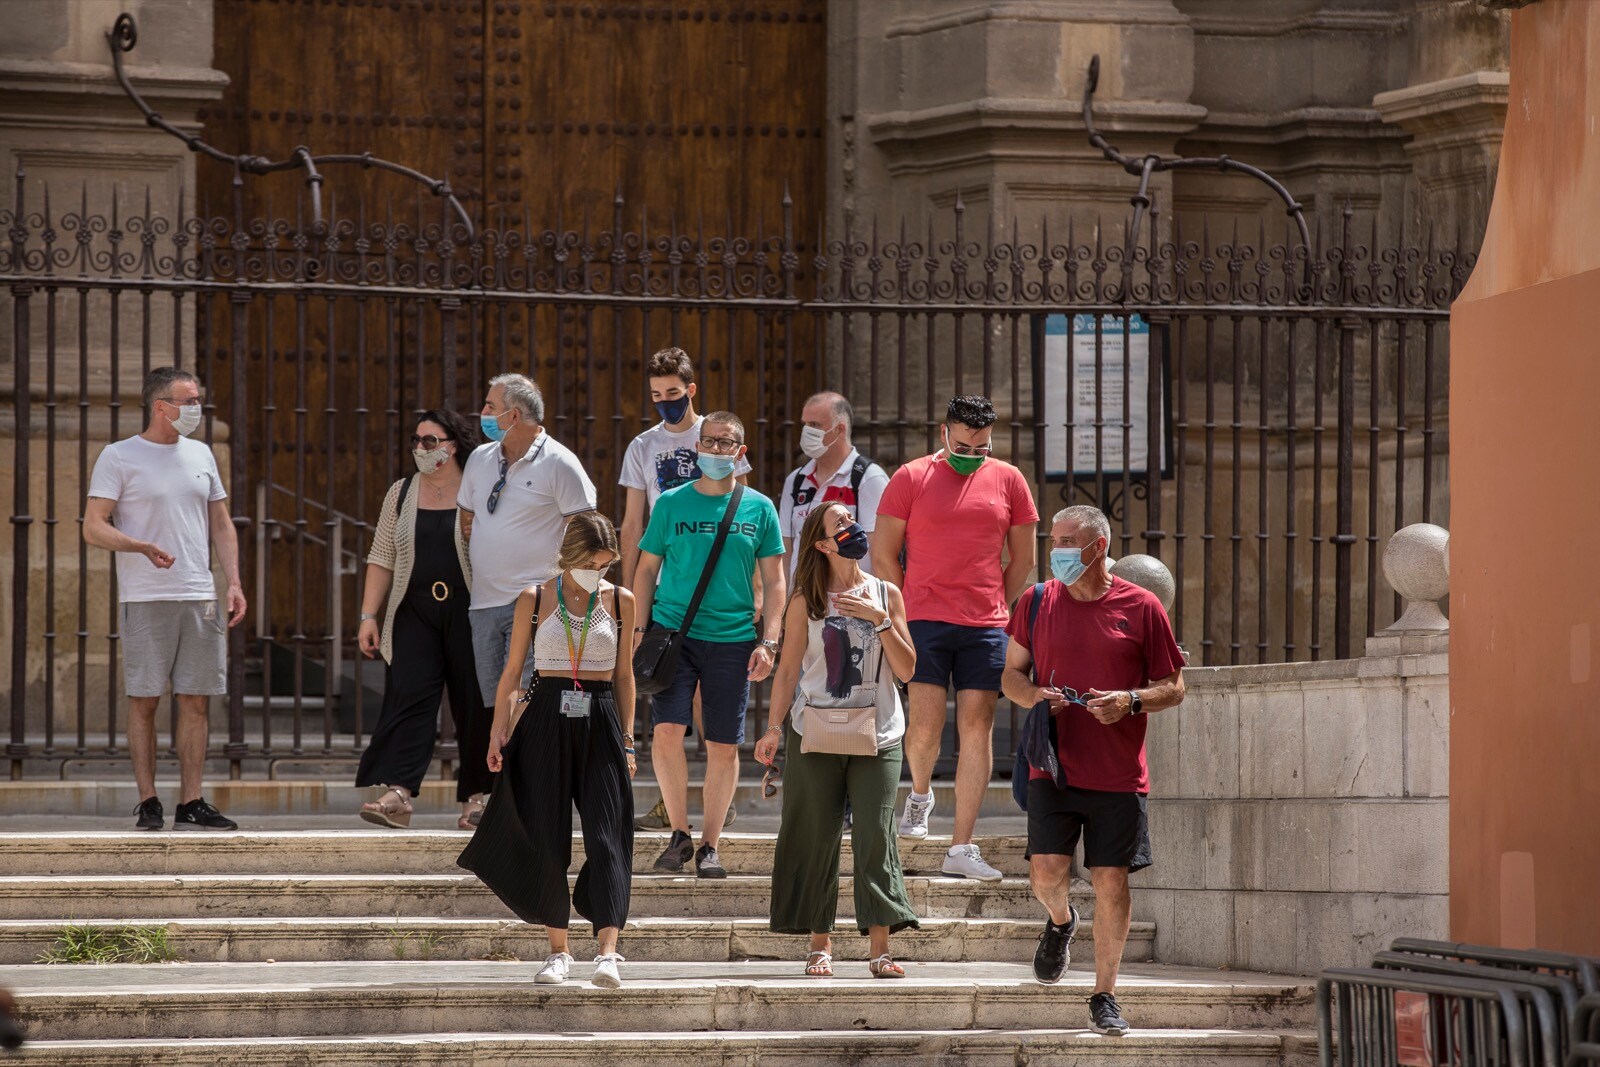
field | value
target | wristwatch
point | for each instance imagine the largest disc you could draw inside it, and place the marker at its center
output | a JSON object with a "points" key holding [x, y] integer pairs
{"points": [[1137, 706], [888, 621], [770, 645], [366, 617]]}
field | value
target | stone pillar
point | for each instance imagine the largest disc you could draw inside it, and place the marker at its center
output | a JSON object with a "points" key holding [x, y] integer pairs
{"points": [[67, 125], [1455, 110], [1416, 564]]}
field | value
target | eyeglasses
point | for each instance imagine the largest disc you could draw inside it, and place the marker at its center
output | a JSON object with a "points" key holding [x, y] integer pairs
{"points": [[428, 441], [1072, 696], [771, 780], [971, 450], [192, 402], [720, 444], [494, 494]]}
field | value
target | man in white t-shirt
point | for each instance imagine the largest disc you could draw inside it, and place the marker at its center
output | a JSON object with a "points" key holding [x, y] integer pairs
{"points": [[836, 471], [664, 456], [156, 500], [517, 493]]}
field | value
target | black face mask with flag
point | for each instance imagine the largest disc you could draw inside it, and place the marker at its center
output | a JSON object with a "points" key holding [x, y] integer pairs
{"points": [[852, 542]]}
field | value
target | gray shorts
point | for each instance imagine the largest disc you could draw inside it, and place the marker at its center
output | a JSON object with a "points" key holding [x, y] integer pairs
{"points": [[491, 643], [181, 642]]}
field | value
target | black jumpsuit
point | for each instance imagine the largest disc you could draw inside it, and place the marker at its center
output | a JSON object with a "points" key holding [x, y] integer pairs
{"points": [[431, 654]]}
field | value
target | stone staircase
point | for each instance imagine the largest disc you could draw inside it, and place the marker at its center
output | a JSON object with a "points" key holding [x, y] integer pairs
{"points": [[352, 947]]}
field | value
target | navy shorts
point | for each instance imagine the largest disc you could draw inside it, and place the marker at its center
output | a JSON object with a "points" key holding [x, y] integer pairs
{"points": [[968, 657], [722, 671]]}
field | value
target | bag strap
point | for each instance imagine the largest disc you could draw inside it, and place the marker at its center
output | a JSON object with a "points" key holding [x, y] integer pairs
{"points": [[711, 561], [795, 487], [405, 488], [1033, 618], [858, 474]]}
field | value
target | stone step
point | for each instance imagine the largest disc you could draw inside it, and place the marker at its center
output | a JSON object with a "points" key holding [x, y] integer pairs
{"points": [[129, 1002], [141, 897], [675, 940], [378, 851], [117, 797], [749, 1048]]}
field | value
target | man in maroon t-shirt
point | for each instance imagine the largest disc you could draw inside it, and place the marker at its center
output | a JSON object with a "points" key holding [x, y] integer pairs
{"points": [[1104, 651]]}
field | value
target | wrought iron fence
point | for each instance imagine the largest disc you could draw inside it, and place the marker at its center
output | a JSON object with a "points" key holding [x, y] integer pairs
{"points": [[1290, 409]]}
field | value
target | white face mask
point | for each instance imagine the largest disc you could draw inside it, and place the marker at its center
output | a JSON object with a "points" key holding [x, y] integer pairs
{"points": [[587, 578], [188, 420], [811, 442], [428, 462]]}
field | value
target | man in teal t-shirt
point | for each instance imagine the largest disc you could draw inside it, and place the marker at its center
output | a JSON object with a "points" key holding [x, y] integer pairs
{"points": [[721, 653]]}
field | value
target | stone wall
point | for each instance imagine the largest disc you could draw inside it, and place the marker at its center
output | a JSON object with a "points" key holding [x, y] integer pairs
{"points": [[1299, 812]]}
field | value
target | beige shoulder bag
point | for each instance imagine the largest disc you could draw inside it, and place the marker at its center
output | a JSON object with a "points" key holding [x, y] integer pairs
{"points": [[843, 731]]}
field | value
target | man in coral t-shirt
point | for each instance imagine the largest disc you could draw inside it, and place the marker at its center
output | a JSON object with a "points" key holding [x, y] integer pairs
{"points": [[1105, 655], [967, 524]]}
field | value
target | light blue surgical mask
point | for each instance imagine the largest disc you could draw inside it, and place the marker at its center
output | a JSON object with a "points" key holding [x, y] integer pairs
{"points": [[490, 425], [1067, 564], [714, 466]]}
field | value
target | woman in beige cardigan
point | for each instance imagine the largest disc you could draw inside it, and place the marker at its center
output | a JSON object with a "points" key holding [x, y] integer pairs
{"points": [[418, 577]]}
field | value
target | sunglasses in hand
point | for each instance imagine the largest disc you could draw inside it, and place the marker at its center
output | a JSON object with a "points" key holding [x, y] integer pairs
{"points": [[771, 780]]}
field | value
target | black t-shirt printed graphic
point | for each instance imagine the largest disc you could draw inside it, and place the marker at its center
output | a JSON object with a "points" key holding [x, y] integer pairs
{"points": [[675, 468]]}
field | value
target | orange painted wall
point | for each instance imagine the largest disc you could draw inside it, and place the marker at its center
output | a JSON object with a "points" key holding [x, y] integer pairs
{"points": [[1525, 512]]}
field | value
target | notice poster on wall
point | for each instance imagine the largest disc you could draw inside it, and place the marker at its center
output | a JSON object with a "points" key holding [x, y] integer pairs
{"points": [[1096, 394]]}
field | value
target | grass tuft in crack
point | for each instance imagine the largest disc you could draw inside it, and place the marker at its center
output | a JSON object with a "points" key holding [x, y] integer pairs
{"points": [[111, 944]]}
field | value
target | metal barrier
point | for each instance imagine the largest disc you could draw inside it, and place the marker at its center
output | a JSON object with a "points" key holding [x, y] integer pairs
{"points": [[1585, 1050], [1386, 1018], [1585, 972], [1549, 1005]]}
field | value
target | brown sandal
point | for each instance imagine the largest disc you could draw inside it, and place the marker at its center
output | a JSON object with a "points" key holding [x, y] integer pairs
{"points": [[474, 814], [385, 811]]}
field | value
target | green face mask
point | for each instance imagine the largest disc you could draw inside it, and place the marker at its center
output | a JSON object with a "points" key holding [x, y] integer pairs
{"points": [[962, 465]]}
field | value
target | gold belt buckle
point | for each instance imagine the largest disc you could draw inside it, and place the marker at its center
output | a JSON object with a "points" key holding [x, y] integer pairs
{"points": [[441, 591]]}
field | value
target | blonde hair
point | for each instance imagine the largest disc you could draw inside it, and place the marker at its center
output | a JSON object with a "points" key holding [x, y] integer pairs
{"points": [[588, 532]]}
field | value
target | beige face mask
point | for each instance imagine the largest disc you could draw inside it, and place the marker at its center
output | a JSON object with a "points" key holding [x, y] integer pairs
{"points": [[588, 578], [428, 462]]}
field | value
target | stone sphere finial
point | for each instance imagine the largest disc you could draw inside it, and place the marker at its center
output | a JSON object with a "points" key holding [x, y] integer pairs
{"points": [[1150, 573], [1416, 561]]}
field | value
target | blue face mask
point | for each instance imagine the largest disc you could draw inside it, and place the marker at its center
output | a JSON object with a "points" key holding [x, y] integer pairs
{"points": [[715, 467], [1067, 564], [673, 411], [490, 425]]}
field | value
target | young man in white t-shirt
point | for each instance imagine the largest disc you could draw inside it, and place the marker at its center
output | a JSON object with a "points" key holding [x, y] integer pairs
{"points": [[835, 472], [155, 500], [661, 458]]}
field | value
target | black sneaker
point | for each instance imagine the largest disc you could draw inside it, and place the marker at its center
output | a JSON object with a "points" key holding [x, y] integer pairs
{"points": [[1054, 954], [198, 815], [151, 814], [1105, 1017], [706, 864], [678, 852]]}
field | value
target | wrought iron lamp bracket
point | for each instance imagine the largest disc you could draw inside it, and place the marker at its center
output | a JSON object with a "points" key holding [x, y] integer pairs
{"points": [[124, 35]]}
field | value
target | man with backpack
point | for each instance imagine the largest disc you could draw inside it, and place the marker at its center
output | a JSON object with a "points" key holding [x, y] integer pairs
{"points": [[834, 471], [1099, 651]]}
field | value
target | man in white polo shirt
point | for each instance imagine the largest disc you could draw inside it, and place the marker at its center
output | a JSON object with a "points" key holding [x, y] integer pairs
{"points": [[517, 493], [836, 471]]}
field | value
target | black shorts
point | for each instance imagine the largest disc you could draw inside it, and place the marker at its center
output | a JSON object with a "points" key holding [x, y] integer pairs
{"points": [[1115, 826]]}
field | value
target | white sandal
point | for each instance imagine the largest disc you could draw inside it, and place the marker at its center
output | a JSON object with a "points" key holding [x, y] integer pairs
{"points": [[885, 967], [822, 968]]}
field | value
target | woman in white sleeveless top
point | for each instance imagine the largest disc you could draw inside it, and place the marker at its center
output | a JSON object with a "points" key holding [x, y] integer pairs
{"points": [[571, 745], [845, 642]]}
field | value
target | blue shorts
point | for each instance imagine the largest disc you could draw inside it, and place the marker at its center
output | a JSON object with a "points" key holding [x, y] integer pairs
{"points": [[968, 657], [722, 671]]}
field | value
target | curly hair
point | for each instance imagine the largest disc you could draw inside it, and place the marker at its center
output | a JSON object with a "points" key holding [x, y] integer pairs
{"points": [[671, 363], [973, 412]]}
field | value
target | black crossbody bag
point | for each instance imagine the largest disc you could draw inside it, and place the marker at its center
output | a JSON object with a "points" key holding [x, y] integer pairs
{"points": [[655, 661]]}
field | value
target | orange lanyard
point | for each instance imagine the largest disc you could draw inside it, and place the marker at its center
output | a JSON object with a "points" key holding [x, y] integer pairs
{"points": [[575, 652]]}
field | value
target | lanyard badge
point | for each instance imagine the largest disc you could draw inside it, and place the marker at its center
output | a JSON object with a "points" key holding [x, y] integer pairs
{"points": [[575, 703]]}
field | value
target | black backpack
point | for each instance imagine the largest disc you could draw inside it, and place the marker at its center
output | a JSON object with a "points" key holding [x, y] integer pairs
{"points": [[800, 494]]}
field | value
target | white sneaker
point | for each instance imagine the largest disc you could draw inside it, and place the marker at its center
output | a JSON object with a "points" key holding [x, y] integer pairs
{"points": [[965, 861], [555, 969], [914, 822], [605, 971]]}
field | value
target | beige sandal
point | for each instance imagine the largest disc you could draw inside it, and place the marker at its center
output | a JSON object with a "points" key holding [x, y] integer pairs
{"points": [[386, 811], [822, 968], [885, 967]]}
